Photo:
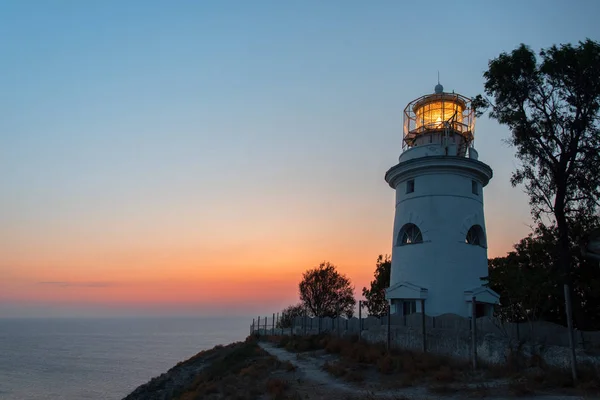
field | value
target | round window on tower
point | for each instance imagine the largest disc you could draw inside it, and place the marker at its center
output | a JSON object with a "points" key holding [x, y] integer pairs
{"points": [[409, 234], [476, 236]]}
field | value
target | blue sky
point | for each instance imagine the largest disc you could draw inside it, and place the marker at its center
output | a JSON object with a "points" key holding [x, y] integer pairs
{"points": [[130, 126]]}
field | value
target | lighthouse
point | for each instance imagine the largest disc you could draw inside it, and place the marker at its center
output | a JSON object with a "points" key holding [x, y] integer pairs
{"points": [[439, 252]]}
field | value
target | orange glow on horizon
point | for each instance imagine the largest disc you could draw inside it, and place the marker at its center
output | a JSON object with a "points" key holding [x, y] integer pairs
{"points": [[239, 272]]}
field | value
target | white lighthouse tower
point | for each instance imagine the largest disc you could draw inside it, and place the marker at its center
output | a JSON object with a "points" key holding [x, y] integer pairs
{"points": [[439, 245]]}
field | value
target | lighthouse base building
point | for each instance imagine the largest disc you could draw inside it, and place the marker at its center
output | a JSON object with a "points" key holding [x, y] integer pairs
{"points": [[439, 250]]}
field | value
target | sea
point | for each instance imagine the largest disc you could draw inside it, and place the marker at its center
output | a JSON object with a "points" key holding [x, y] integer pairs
{"points": [[100, 358]]}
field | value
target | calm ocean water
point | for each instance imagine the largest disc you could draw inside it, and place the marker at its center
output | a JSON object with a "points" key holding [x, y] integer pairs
{"points": [[100, 359]]}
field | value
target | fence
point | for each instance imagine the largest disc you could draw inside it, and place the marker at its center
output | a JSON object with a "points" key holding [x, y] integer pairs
{"points": [[482, 338]]}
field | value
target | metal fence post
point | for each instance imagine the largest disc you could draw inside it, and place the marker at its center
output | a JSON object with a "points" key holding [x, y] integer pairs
{"points": [[474, 331], [273, 325], [303, 326], [252, 329], [360, 318], [337, 319], [389, 326], [305, 322], [423, 322]]}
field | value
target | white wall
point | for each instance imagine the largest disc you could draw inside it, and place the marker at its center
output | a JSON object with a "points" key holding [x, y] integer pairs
{"points": [[444, 208]]}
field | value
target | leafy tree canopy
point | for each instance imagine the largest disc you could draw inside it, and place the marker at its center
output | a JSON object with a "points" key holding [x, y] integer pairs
{"points": [[376, 303], [551, 108], [327, 293], [288, 315], [530, 288]]}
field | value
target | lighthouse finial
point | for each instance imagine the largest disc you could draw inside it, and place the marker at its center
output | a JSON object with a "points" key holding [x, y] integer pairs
{"points": [[439, 88]]}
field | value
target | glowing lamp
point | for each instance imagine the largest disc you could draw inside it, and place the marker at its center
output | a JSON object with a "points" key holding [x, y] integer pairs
{"points": [[437, 118], [434, 112]]}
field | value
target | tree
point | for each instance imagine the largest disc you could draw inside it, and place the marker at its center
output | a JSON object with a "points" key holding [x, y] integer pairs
{"points": [[376, 302], [327, 293], [527, 266], [289, 314], [551, 108], [530, 265]]}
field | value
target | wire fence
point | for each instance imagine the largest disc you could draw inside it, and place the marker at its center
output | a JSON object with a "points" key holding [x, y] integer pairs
{"points": [[416, 331], [464, 337]]}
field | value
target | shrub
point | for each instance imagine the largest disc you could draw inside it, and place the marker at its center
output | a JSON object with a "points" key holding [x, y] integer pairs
{"points": [[251, 371], [443, 389], [335, 369], [373, 354], [276, 387], [334, 346], [355, 376], [444, 374], [288, 366], [520, 388], [283, 342], [385, 365]]}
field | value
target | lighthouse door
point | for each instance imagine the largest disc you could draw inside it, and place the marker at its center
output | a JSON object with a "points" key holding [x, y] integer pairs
{"points": [[480, 309], [409, 307]]}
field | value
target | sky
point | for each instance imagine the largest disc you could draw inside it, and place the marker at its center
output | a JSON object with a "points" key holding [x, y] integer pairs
{"points": [[195, 157]]}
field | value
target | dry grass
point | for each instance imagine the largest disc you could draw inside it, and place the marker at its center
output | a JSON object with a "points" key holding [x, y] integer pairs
{"points": [[354, 353], [276, 387], [444, 390], [242, 371], [404, 368], [386, 364], [371, 396], [471, 392], [335, 368], [355, 376], [520, 388], [345, 370], [288, 366], [442, 375], [541, 377], [478, 392], [530, 375]]}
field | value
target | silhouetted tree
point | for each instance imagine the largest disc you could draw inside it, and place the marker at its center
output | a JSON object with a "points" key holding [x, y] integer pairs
{"points": [[551, 108], [327, 293], [530, 287], [376, 303], [289, 314]]}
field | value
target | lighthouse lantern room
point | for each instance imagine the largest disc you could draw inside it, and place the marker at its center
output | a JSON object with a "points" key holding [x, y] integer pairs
{"points": [[439, 252]]}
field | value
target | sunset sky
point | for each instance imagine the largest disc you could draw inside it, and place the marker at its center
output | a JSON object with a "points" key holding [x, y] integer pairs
{"points": [[195, 157]]}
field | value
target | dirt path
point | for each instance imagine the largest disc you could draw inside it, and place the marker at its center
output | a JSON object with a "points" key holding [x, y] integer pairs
{"points": [[309, 371], [309, 368]]}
